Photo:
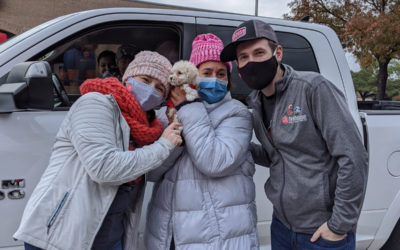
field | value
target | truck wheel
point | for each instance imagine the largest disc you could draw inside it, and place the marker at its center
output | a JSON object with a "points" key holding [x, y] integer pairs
{"points": [[393, 243]]}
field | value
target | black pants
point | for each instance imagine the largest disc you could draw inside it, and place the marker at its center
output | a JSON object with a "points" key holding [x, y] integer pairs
{"points": [[112, 229]]}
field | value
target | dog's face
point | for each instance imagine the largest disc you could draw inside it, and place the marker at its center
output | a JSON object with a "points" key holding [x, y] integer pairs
{"points": [[183, 72]]}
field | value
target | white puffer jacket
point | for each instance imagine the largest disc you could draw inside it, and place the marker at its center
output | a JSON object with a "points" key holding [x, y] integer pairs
{"points": [[206, 199], [90, 159]]}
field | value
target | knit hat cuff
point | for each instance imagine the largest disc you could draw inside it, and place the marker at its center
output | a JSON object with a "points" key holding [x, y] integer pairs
{"points": [[151, 64], [152, 70]]}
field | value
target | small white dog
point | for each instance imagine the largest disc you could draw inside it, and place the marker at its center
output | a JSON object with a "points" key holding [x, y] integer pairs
{"points": [[184, 73]]}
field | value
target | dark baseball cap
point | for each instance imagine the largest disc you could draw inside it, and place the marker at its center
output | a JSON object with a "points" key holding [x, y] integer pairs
{"points": [[247, 31]]}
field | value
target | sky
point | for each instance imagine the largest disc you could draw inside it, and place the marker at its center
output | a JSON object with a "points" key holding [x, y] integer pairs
{"points": [[267, 8]]}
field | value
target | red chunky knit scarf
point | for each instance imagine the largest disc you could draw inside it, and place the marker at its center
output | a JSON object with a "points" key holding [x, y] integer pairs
{"points": [[142, 132]]}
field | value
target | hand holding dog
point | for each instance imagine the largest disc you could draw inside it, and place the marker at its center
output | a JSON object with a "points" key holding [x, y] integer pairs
{"points": [[178, 95], [173, 133]]}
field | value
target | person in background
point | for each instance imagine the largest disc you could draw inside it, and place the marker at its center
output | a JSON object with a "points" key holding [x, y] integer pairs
{"points": [[90, 195], [317, 162], [204, 196], [79, 64], [106, 64], [125, 54], [169, 49]]}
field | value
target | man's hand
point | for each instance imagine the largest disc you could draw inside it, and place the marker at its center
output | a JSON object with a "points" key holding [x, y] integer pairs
{"points": [[324, 232], [177, 95]]}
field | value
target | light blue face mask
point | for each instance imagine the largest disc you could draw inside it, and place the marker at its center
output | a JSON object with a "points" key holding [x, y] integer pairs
{"points": [[146, 95], [212, 90]]}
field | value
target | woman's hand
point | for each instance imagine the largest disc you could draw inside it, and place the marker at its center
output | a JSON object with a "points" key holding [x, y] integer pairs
{"points": [[173, 134], [177, 95]]}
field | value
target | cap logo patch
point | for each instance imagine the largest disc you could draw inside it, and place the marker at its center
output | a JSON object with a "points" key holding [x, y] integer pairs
{"points": [[238, 34]]}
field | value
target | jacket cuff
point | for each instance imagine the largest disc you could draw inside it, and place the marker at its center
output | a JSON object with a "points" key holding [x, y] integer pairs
{"points": [[334, 228], [165, 142]]}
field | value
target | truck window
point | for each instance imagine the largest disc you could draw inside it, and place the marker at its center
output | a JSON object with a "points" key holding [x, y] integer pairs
{"points": [[92, 52], [297, 52]]}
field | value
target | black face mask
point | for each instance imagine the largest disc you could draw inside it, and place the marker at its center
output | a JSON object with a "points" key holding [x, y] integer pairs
{"points": [[259, 75]]}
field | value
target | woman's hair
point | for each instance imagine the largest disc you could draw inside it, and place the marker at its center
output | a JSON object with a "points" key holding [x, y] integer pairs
{"points": [[229, 78], [106, 53]]}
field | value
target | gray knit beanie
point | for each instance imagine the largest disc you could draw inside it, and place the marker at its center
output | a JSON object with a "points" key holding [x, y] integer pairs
{"points": [[151, 64]]}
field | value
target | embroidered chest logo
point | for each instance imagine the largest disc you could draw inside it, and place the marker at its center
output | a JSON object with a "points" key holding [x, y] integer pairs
{"points": [[293, 115], [238, 34]]}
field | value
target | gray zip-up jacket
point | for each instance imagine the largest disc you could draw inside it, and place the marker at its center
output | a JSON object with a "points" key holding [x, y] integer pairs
{"points": [[318, 164], [90, 159], [206, 198]]}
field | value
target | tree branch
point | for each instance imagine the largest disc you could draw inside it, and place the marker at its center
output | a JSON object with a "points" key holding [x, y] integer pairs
{"points": [[374, 3], [322, 5]]}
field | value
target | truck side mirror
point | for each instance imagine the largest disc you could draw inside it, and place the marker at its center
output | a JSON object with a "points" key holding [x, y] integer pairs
{"points": [[29, 86]]}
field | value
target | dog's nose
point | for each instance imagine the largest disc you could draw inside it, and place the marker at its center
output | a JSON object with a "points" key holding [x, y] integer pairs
{"points": [[170, 78]]}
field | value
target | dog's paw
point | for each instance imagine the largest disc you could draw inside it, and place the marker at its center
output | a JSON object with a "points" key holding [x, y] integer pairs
{"points": [[192, 95]]}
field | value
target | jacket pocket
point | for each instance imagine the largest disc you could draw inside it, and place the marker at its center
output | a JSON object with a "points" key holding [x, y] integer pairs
{"points": [[327, 198], [57, 211]]}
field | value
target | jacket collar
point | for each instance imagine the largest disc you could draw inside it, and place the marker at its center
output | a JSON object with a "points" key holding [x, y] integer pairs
{"points": [[254, 98], [212, 106]]}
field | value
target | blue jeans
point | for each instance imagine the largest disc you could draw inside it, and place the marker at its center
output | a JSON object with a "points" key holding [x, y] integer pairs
{"points": [[117, 246], [282, 238], [30, 247]]}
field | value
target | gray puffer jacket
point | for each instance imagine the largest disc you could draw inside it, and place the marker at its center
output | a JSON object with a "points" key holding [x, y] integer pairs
{"points": [[90, 159], [206, 200]]}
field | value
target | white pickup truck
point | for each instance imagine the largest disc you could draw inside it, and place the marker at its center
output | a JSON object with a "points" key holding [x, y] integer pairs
{"points": [[34, 98]]}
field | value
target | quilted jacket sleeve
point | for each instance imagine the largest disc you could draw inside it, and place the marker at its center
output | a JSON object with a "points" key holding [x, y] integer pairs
{"points": [[92, 132], [216, 151], [157, 173]]}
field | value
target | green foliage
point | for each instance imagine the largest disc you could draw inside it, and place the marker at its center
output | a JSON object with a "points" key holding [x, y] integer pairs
{"points": [[393, 83], [393, 90], [394, 70], [364, 83]]}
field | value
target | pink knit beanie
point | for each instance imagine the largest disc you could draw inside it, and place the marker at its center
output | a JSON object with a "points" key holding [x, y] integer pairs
{"points": [[151, 64], [207, 47]]}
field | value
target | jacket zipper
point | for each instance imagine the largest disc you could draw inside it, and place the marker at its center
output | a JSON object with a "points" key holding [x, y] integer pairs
{"points": [[283, 162], [56, 212], [171, 221], [283, 165]]}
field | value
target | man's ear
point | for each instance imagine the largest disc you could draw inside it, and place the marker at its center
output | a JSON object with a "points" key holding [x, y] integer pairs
{"points": [[279, 53]]}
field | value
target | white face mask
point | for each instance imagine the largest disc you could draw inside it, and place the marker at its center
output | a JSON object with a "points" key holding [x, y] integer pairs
{"points": [[146, 95]]}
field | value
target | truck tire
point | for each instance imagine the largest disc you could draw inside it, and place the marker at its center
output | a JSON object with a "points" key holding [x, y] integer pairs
{"points": [[393, 243]]}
